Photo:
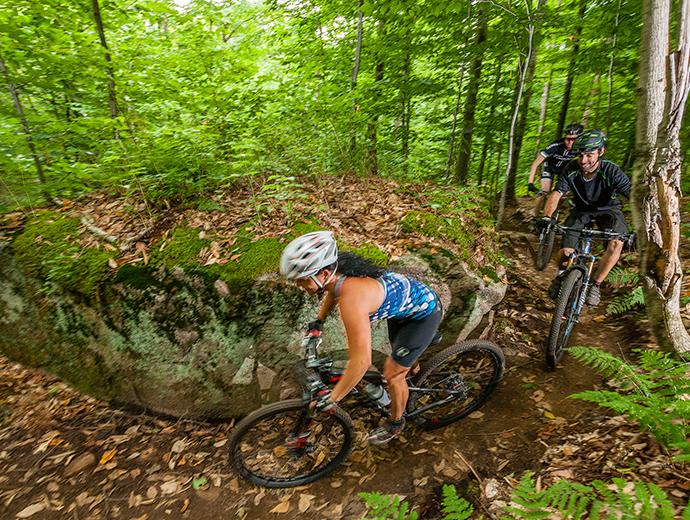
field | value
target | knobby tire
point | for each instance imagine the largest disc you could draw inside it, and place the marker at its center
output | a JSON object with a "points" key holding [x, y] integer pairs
{"points": [[257, 445], [473, 367], [545, 249], [562, 322]]}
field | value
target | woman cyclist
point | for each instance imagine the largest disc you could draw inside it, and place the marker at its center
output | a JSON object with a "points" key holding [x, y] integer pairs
{"points": [[364, 293]]}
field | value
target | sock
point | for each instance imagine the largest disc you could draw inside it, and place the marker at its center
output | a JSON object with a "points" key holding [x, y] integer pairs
{"points": [[397, 423], [560, 272], [598, 284]]}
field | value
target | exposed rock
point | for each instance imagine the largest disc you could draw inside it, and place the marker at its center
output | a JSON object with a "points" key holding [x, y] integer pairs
{"points": [[265, 377], [244, 375], [176, 342]]}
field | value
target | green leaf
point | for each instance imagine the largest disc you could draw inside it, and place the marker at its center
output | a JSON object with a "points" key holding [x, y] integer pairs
{"points": [[199, 482]]}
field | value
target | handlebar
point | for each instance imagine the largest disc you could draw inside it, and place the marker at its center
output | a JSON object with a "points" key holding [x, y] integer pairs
{"points": [[595, 233]]}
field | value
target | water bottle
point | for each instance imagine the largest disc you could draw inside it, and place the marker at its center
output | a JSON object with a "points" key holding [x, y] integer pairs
{"points": [[378, 394]]}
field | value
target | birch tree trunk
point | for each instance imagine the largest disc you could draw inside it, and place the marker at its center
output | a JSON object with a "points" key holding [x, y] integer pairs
{"points": [[524, 109], [522, 66], [614, 41], [571, 72], [112, 96], [543, 106], [24, 122], [465, 153], [656, 175]]}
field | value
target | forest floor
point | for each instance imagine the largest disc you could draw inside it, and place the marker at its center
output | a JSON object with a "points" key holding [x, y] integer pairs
{"points": [[65, 455]]}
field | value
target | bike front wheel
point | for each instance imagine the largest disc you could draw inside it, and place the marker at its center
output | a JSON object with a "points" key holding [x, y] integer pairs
{"points": [[564, 317], [455, 382], [279, 446], [545, 249]]}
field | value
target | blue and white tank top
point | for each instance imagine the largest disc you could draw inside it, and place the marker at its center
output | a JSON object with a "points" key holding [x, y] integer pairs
{"points": [[404, 297]]}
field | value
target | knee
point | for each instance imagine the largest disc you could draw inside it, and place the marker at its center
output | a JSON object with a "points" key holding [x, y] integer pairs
{"points": [[567, 251]]}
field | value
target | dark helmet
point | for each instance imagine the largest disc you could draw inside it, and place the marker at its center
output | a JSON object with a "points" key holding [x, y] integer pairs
{"points": [[574, 129], [589, 141]]}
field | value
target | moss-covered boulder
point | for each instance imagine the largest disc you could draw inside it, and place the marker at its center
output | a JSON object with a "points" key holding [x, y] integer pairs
{"points": [[176, 335]]}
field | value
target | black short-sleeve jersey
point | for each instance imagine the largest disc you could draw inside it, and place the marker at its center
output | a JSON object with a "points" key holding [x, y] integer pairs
{"points": [[597, 193], [556, 156]]}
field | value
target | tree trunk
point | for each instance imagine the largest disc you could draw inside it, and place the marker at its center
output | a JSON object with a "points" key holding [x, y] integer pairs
{"points": [[465, 153], [25, 124], [451, 146], [524, 108], [405, 104], [610, 72], [522, 74], [656, 175], [488, 137], [372, 155], [543, 106], [593, 95], [112, 97], [355, 67], [571, 72]]}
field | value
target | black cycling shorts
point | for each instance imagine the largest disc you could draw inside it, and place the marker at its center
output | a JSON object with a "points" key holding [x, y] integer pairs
{"points": [[409, 338], [612, 219], [548, 175]]}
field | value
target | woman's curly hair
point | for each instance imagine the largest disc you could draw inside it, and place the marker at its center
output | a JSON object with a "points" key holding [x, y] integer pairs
{"points": [[351, 264]]}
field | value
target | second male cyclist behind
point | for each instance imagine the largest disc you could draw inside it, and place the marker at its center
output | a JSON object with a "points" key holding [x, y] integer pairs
{"points": [[594, 183], [555, 157]]}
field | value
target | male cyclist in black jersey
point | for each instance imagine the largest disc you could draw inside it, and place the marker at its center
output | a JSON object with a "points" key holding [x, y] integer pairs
{"points": [[594, 183], [554, 157]]}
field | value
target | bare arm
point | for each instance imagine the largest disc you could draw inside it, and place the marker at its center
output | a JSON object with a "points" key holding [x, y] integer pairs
{"points": [[552, 203], [535, 166], [327, 306], [356, 301]]}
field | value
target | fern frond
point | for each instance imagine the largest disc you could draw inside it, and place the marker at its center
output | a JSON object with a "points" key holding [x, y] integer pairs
{"points": [[620, 276], [626, 302], [455, 507], [608, 365]]}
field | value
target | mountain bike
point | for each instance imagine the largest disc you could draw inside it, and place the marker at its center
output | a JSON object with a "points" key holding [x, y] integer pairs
{"points": [[288, 443], [574, 284]]}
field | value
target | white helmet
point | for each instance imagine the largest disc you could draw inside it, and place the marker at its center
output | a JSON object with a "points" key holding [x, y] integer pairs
{"points": [[307, 255]]}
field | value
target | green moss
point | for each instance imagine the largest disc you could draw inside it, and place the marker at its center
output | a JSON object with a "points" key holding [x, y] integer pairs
{"points": [[435, 226], [48, 250], [181, 249], [490, 273]]}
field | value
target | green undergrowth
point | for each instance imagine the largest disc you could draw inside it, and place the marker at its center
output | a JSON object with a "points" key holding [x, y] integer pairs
{"points": [[48, 250]]}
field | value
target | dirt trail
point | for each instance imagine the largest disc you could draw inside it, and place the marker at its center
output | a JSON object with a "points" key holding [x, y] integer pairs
{"points": [[47, 428]]}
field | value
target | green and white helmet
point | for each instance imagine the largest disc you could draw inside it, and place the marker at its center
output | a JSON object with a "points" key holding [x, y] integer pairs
{"points": [[590, 141], [307, 255]]}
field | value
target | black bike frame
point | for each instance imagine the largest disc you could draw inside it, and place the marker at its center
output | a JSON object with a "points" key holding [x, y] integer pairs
{"points": [[315, 373], [583, 259]]}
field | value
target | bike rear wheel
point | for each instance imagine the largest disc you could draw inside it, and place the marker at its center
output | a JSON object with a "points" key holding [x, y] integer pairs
{"points": [[461, 378], [564, 317], [545, 249], [276, 447]]}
